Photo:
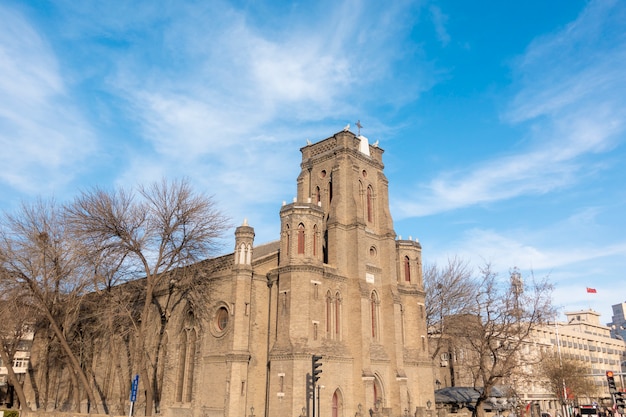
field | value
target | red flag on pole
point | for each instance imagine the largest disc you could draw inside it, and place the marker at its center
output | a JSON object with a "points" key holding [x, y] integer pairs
{"points": [[591, 290]]}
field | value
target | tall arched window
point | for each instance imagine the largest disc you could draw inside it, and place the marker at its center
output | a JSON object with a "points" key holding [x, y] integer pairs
{"points": [[362, 201], [186, 356], [162, 358], [338, 315], [330, 190], [329, 314], [182, 365], [191, 353], [370, 208], [337, 404], [315, 240], [300, 239], [287, 240], [374, 313], [318, 195], [407, 269], [378, 394], [186, 360]]}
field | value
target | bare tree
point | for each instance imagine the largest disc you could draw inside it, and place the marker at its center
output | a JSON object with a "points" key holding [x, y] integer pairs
{"points": [[495, 326], [40, 264], [15, 326], [567, 378], [482, 322], [149, 235], [449, 292]]}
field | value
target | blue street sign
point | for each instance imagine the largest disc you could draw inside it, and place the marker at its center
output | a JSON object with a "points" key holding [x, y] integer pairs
{"points": [[133, 389]]}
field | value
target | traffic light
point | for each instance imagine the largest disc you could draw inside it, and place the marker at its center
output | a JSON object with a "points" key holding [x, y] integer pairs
{"points": [[315, 361], [620, 402], [611, 381]]}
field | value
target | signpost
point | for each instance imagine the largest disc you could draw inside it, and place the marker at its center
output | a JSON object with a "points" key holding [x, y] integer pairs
{"points": [[133, 394]]}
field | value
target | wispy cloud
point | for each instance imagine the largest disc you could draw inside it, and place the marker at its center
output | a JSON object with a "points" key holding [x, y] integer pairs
{"points": [[440, 20], [570, 95], [42, 134]]}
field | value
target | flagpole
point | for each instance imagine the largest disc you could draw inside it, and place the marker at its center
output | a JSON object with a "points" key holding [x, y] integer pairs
{"points": [[558, 345]]}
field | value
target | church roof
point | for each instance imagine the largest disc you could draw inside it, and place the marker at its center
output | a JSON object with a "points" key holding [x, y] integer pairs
{"points": [[266, 249]]}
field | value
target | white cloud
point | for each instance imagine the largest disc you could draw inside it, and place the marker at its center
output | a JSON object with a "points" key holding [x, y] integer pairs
{"points": [[42, 135], [571, 89], [440, 20]]}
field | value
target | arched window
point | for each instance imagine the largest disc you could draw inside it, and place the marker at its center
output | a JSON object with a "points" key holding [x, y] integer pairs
{"points": [[337, 404], [330, 190], [378, 394], [318, 195], [329, 314], [370, 208], [182, 365], [242, 254], [162, 358], [191, 353], [338, 315], [315, 240], [300, 239], [186, 360], [407, 269], [362, 197], [374, 313], [287, 240]]}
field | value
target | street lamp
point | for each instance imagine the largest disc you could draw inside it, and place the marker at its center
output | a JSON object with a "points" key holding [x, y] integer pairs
{"points": [[428, 404]]}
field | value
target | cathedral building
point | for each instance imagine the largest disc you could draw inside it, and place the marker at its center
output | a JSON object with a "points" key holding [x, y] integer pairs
{"points": [[338, 284]]}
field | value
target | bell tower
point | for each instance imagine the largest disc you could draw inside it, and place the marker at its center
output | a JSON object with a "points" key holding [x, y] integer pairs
{"points": [[344, 174], [347, 289]]}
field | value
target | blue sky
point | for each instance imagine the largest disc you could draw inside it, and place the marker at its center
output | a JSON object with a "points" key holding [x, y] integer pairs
{"points": [[503, 123]]}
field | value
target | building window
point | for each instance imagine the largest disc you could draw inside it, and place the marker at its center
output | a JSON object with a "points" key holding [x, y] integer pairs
{"points": [[300, 239], [329, 314], [338, 315], [407, 269], [315, 240], [337, 404], [186, 365], [374, 315], [318, 195], [378, 394], [402, 323], [221, 319], [370, 208], [191, 352], [330, 190], [333, 316]]}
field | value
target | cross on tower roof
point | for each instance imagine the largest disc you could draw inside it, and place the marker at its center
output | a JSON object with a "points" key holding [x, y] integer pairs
{"points": [[359, 126]]}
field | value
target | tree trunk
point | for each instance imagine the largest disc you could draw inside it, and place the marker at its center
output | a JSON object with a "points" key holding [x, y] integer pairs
{"points": [[74, 362], [141, 354], [19, 390]]}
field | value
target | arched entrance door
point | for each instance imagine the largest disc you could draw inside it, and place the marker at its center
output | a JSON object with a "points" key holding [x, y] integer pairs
{"points": [[337, 404]]}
